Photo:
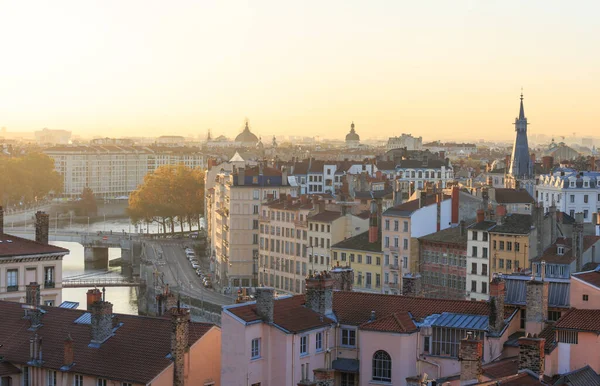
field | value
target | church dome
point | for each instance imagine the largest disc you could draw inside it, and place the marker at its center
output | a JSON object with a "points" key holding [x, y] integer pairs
{"points": [[352, 136], [246, 137]]}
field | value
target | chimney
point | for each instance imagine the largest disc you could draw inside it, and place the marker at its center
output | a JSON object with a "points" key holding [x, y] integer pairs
{"points": [[373, 223], [471, 352], [547, 163], [284, 176], [480, 215], [553, 226], [264, 303], [241, 176], [598, 224], [532, 355], [463, 228], [411, 284], [319, 293], [68, 357], [500, 214], [32, 295], [343, 278], [577, 241], [455, 204], [93, 295], [537, 305], [559, 217], [42, 224], [397, 193], [372, 319], [497, 293], [422, 199], [101, 324], [180, 325], [1, 220]]}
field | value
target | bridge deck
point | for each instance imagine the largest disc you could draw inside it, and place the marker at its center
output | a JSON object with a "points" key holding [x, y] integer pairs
{"points": [[106, 282]]}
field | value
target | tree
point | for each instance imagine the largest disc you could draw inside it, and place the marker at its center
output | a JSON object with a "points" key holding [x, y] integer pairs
{"points": [[172, 195], [87, 204]]}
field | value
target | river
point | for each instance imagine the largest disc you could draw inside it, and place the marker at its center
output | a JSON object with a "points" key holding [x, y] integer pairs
{"points": [[124, 299]]}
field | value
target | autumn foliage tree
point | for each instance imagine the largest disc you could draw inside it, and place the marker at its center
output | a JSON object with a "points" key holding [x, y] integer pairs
{"points": [[28, 178], [172, 195], [87, 205]]}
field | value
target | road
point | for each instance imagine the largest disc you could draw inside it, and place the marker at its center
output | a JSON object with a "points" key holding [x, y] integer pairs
{"points": [[178, 271]]}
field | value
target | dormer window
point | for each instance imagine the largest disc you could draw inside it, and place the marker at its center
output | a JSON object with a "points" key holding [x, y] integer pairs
{"points": [[560, 250]]}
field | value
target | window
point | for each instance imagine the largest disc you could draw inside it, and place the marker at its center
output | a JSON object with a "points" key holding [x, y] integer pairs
{"points": [[378, 280], [368, 280], [585, 198], [255, 353], [255, 209], [405, 244], [387, 242], [517, 247], [51, 378], [25, 377], [484, 269], [494, 244], [369, 259], [474, 235], [426, 344], [585, 213], [569, 337], [501, 263], [553, 316], [484, 287], [48, 277], [343, 256], [387, 225], [585, 298], [406, 222], [473, 286], [304, 345], [130, 384], [474, 252], [12, 283], [101, 382], [484, 252], [319, 341], [348, 337], [49, 303], [396, 225], [382, 366], [508, 264], [484, 236], [509, 246], [377, 260], [572, 198], [446, 341], [474, 268], [501, 245]]}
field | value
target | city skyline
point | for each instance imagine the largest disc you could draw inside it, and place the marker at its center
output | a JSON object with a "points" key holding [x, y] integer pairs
{"points": [[435, 69]]}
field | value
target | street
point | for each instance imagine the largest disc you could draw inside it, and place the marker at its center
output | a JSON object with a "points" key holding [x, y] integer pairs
{"points": [[178, 271]]}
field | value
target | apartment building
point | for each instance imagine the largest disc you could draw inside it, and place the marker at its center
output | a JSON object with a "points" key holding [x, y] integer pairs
{"points": [[421, 172], [478, 258], [325, 177], [24, 261], [513, 242], [365, 255], [443, 263], [356, 338], [329, 227], [514, 200], [115, 170], [402, 225], [237, 203], [44, 345], [571, 191]]}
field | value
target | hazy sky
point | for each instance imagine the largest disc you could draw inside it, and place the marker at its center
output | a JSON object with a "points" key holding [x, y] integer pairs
{"points": [[448, 69]]}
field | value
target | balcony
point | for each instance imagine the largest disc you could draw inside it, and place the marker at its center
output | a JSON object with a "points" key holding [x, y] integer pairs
{"points": [[394, 285], [12, 288], [49, 284], [264, 219], [394, 267], [394, 249], [301, 224]]}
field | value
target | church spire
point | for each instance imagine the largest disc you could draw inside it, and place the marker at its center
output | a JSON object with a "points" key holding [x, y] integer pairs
{"points": [[521, 165], [521, 110]]}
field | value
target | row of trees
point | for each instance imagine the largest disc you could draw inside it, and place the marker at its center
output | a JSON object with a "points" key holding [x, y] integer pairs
{"points": [[26, 179], [171, 196]]}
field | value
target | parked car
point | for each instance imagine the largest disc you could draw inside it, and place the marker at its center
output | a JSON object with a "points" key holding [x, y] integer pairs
{"points": [[207, 283], [195, 266]]}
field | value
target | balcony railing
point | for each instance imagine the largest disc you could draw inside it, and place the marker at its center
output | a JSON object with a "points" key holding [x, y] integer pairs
{"points": [[264, 218], [12, 288], [394, 285], [49, 284], [394, 249], [394, 267], [301, 224]]}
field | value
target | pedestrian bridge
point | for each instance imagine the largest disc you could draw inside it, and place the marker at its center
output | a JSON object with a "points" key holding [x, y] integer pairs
{"points": [[101, 239], [100, 282]]}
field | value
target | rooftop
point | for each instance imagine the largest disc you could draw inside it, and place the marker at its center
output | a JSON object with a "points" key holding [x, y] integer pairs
{"points": [[515, 223], [583, 320], [485, 225], [513, 196], [325, 216], [449, 235], [552, 256], [136, 353], [360, 242], [13, 246], [590, 277], [408, 208]]}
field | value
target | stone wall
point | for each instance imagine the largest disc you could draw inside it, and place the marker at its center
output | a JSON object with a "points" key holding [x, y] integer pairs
{"points": [[531, 354]]}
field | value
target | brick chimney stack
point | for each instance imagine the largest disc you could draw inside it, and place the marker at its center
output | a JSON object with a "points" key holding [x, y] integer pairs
{"points": [[180, 325], [497, 293], [455, 205], [480, 215], [101, 324], [373, 223], [532, 354], [500, 214], [42, 227], [411, 284], [319, 293], [537, 305], [93, 295], [32, 294], [471, 352], [68, 357], [343, 278], [264, 303], [1, 220], [577, 241]]}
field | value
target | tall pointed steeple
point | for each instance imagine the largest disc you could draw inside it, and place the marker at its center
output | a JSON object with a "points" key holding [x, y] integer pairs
{"points": [[521, 165]]}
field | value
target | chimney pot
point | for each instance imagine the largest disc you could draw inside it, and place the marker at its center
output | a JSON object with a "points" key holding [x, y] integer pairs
{"points": [[92, 296], [101, 323]]}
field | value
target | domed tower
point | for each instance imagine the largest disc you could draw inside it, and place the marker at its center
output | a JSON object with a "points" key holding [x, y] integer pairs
{"points": [[352, 139], [246, 138]]}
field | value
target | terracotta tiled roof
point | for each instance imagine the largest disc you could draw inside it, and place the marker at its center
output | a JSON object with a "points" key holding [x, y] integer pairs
{"points": [[355, 307], [513, 196], [551, 253], [136, 353], [502, 368], [590, 277], [288, 313], [399, 322], [524, 378], [576, 319], [8, 369], [16, 246], [549, 334]]}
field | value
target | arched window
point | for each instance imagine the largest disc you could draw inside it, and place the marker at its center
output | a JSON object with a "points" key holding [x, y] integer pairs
{"points": [[382, 366]]}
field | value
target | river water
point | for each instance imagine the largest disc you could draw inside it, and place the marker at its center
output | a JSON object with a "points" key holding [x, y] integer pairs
{"points": [[124, 299]]}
